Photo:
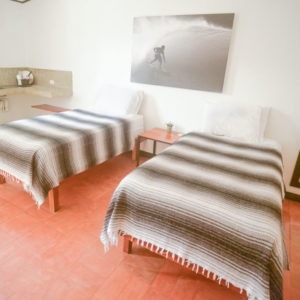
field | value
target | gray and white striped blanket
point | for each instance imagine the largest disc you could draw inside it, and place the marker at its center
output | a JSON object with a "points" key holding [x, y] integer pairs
{"points": [[215, 203], [42, 151]]}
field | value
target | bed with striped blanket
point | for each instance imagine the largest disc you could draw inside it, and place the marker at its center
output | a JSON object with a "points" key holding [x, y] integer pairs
{"points": [[42, 151], [214, 203]]}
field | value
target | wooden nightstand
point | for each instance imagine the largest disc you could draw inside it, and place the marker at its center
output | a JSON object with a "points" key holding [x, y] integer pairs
{"points": [[156, 135]]}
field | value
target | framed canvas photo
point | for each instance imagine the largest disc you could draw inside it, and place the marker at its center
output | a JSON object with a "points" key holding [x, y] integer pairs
{"points": [[184, 51]]}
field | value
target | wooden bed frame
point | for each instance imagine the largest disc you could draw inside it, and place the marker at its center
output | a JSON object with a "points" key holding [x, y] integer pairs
{"points": [[127, 248]]}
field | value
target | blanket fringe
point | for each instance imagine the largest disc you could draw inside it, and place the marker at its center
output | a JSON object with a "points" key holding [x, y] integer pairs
{"points": [[10, 177], [28, 191], [113, 240], [26, 188]]}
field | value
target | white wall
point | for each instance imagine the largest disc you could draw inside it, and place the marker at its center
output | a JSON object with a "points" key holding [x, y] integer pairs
{"points": [[93, 38], [13, 46]]}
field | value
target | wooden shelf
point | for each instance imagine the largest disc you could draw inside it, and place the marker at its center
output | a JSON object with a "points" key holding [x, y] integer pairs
{"points": [[50, 108]]}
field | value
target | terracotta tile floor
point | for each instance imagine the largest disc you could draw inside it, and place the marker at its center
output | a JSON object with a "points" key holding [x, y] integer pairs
{"points": [[59, 256]]}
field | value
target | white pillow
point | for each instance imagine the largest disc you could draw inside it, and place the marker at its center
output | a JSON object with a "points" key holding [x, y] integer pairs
{"points": [[246, 123], [117, 101]]}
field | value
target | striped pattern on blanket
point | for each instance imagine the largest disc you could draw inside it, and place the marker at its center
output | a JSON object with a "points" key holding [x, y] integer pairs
{"points": [[42, 151], [214, 202]]}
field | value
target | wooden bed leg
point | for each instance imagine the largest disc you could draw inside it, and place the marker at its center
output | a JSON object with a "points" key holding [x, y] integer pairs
{"points": [[2, 179], [134, 150], [53, 200], [127, 245]]}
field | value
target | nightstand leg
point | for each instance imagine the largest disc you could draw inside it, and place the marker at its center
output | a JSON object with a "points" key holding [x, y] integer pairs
{"points": [[138, 143], [154, 148], [133, 157]]}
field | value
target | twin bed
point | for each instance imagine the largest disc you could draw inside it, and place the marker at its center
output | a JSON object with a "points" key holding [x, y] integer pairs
{"points": [[41, 152], [212, 202]]}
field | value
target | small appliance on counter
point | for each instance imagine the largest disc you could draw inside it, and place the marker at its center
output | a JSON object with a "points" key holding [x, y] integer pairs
{"points": [[25, 78]]}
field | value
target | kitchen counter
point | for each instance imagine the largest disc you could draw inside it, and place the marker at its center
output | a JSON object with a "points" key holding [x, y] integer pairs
{"points": [[37, 90], [47, 83]]}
